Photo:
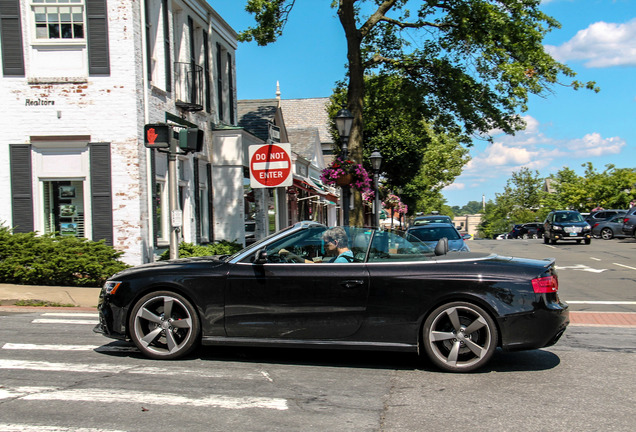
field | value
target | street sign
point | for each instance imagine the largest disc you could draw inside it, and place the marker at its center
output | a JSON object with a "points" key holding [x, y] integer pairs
{"points": [[270, 165]]}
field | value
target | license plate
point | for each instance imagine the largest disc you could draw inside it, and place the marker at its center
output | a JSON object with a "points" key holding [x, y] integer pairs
{"points": [[573, 234]]}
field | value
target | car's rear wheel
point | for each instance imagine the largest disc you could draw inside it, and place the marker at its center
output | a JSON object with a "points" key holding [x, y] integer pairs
{"points": [[164, 325], [607, 233], [459, 337]]}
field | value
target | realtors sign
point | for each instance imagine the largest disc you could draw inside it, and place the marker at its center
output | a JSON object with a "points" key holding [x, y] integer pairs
{"points": [[270, 165]]}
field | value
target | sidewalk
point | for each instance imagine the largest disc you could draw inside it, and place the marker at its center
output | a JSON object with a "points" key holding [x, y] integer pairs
{"points": [[75, 296]]}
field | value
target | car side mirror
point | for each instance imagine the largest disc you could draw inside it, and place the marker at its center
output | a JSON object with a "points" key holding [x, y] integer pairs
{"points": [[260, 257], [442, 247]]}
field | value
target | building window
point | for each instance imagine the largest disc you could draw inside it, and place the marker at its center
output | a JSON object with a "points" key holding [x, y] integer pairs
{"points": [[58, 19], [63, 207]]}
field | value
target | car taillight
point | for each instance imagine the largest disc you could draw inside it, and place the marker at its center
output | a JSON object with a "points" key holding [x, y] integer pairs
{"points": [[545, 285]]}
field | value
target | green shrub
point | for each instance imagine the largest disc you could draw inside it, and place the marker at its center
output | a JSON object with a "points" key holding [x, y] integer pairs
{"points": [[28, 259], [186, 250]]}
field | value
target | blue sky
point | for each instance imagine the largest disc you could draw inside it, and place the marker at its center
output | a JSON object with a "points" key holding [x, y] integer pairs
{"points": [[567, 128]]}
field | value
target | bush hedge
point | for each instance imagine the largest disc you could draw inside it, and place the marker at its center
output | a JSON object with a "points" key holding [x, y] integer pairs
{"points": [[29, 259], [187, 250]]}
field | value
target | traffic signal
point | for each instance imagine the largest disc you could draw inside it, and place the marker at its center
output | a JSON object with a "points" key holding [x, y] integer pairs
{"points": [[157, 135], [191, 139]]}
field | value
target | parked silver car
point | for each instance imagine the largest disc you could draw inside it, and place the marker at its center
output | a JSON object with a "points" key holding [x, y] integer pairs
{"points": [[610, 228]]}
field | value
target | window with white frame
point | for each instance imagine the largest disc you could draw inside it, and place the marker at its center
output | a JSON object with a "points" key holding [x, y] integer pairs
{"points": [[58, 19]]}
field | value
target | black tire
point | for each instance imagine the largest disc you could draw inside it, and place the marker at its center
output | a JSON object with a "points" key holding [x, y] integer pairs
{"points": [[588, 241], [459, 337], [546, 240], [607, 233], [164, 325], [552, 241]]}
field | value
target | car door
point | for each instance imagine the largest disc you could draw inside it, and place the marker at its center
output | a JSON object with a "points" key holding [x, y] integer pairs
{"points": [[296, 301]]}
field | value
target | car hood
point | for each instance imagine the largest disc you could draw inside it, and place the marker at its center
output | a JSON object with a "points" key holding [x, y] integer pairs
{"points": [[209, 262]]}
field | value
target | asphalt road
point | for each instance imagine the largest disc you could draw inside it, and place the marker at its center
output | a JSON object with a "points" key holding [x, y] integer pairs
{"points": [[600, 276], [57, 375]]}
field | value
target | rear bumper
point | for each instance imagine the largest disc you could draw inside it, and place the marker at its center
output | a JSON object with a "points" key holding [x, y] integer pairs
{"points": [[537, 329]]}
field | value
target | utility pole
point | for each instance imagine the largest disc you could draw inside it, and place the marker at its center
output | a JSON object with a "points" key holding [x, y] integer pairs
{"points": [[176, 216]]}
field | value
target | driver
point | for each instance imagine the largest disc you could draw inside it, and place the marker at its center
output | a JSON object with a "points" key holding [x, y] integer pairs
{"points": [[336, 245]]}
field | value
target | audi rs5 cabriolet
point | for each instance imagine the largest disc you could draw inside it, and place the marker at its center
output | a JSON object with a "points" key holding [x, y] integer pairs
{"points": [[392, 292]]}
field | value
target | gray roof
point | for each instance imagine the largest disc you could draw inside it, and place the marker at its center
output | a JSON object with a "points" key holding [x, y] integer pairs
{"points": [[304, 113], [254, 115], [303, 141]]}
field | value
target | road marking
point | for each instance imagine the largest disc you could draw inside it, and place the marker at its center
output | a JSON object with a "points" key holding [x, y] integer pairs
{"points": [[37, 428], [65, 314], [63, 321], [600, 302], [102, 348], [118, 369], [595, 259], [626, 266], [142, 398], [580, 267]]}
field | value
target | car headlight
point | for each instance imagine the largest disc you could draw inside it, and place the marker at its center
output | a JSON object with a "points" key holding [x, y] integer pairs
{"points": [[557, 228], [111, 287]]}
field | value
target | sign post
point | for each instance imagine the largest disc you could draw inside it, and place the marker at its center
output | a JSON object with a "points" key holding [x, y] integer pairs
{"points": [[270, 166]]}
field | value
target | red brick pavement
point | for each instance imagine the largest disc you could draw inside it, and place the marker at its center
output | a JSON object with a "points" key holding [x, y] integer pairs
{"points": [[603, 319]]}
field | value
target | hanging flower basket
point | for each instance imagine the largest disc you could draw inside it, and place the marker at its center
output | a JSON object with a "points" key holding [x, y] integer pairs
{"points": [[345, 172], [344, 180]]}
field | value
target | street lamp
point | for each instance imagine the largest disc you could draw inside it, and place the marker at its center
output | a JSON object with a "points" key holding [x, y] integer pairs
{"points": [[376, 163], [344, 121]]}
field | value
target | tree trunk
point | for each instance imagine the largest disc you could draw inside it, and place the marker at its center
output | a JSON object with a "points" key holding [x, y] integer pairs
{"points": [[355, 97]]}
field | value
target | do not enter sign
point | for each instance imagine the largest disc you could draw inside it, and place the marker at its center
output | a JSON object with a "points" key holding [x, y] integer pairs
{"points": [[270, 165]]}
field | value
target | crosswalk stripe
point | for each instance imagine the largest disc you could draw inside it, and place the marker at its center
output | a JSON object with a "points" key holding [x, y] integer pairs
{"points": [[119, 369], [146, 398], [102, 348], [63, 321], [71, 314], [4, 427]]}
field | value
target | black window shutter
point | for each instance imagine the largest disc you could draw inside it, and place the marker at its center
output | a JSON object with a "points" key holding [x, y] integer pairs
{"points": [[21, 188], [219, 81], [210, 203], [101, 192], [197, 201], [97, 37], [166, 45], [11, 38], [149, 44], [206, 71], [230, 81]]}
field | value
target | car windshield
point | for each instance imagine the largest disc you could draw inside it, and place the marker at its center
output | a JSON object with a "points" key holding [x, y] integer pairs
{"points": [[314, 244], [435, 233], [569, 217]]}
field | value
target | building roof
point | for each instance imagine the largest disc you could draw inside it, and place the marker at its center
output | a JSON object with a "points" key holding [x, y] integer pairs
{"points": [[254, 115], [304, 113]]}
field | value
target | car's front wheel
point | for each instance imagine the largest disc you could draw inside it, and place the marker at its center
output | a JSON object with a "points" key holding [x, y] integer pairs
{"points": [[606, 233], [164, 325], [459, 337]]}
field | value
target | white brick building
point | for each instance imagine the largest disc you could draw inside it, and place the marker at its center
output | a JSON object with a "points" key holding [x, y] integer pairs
{"points": [[80, 79]]}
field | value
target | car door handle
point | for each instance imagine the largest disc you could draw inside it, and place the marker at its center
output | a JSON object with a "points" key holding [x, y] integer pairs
{"points": [[351, 283]]}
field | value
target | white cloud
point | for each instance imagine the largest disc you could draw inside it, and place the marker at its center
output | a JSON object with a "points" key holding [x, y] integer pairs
{"points": [[600, 45], [532, 149]]}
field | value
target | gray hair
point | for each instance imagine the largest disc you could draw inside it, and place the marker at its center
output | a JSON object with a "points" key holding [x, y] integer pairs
{"points": [[338, 235]]}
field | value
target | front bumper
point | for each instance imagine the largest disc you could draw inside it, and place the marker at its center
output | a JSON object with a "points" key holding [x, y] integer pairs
{"points": [[560, 235]]}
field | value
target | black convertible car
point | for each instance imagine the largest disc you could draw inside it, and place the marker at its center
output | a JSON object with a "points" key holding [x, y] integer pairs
{"points": [[394, 292]]}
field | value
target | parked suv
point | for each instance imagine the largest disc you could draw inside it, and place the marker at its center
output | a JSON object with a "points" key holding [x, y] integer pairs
{"points": [[566, 225], [629, 223], [602, 215], [528, 230]]}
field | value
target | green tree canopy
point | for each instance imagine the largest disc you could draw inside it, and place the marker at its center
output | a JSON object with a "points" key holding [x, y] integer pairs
{"points": [[475, 62]]}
